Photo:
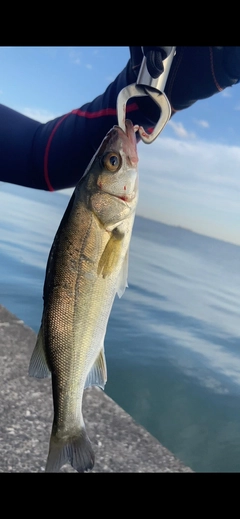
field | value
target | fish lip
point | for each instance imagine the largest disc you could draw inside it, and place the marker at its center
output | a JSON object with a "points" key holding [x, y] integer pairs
{"points": [[125, 199]]}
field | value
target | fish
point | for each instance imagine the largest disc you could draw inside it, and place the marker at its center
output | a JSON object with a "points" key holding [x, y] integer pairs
{"points": [[87, 266]]}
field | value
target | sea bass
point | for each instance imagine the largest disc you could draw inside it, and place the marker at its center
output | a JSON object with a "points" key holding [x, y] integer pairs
{"points": [[87, 266]]}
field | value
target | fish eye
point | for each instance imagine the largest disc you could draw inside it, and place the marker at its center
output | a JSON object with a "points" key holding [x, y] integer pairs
{"points": [[112, 161]]}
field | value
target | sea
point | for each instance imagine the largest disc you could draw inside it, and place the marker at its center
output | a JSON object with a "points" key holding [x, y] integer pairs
{"points": [[173, 339]]}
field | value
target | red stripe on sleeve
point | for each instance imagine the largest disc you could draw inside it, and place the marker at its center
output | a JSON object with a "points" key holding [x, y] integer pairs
{"points": [[105, 111]]}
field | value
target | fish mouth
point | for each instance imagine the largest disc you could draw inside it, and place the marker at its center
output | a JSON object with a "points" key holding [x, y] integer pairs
{"points": [[124, 198]]}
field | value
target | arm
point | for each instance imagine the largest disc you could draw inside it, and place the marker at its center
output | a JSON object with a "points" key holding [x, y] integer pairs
{"points": [[55, 155]]}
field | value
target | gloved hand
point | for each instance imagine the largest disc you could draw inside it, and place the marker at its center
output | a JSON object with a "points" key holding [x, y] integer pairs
{"points": [[196, 72], [154, 57]]}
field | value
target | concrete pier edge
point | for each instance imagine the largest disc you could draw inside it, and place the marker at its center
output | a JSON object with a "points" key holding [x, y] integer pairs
{"points": [[120, 444]]}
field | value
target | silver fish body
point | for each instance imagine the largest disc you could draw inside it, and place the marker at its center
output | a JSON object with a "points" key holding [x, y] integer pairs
{"points": [[87, 266]]}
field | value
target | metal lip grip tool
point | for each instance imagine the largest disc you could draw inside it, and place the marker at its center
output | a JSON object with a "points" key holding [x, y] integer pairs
{"points": [[146, 85]]}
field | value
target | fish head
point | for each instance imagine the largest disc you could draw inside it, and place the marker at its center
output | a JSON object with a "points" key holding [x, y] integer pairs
{"points": [[118, 161], [113, 175]]}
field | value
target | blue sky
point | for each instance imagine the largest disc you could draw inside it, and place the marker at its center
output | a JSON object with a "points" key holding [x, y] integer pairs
{"points": [[190, 176]]}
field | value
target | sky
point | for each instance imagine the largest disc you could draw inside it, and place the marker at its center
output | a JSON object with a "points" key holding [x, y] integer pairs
{"points": [[189, 176]]}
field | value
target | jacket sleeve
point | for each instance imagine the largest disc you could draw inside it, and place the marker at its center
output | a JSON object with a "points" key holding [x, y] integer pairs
{"points": [[54, 155]]}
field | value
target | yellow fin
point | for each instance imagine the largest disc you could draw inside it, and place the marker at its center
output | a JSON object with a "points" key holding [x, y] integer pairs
{"points": [[110, 256]]}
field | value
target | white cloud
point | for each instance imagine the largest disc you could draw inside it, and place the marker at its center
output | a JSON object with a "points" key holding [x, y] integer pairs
{"points": [[202, 123], [226, 93], [89, 66], [42, 116], [186, 182], [194, 160], [180, 131]]}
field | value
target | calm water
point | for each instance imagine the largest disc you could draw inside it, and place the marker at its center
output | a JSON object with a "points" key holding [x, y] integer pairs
{"points": [[173, 340]]}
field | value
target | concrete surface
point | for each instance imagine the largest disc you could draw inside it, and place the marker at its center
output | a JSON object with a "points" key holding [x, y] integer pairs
{"points": [[120, 444]]}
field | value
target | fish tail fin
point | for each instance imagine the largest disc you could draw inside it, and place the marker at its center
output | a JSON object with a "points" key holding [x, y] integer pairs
{"points": [[76, 450]]}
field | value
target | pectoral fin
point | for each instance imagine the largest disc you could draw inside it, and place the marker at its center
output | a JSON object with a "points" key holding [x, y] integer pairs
{"points": [[97, 376], [110, 256], [123, 277], [38, 366]]}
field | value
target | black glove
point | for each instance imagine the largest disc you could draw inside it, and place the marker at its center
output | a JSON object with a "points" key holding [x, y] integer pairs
{"points": [[154, 57], [196, 72]]}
